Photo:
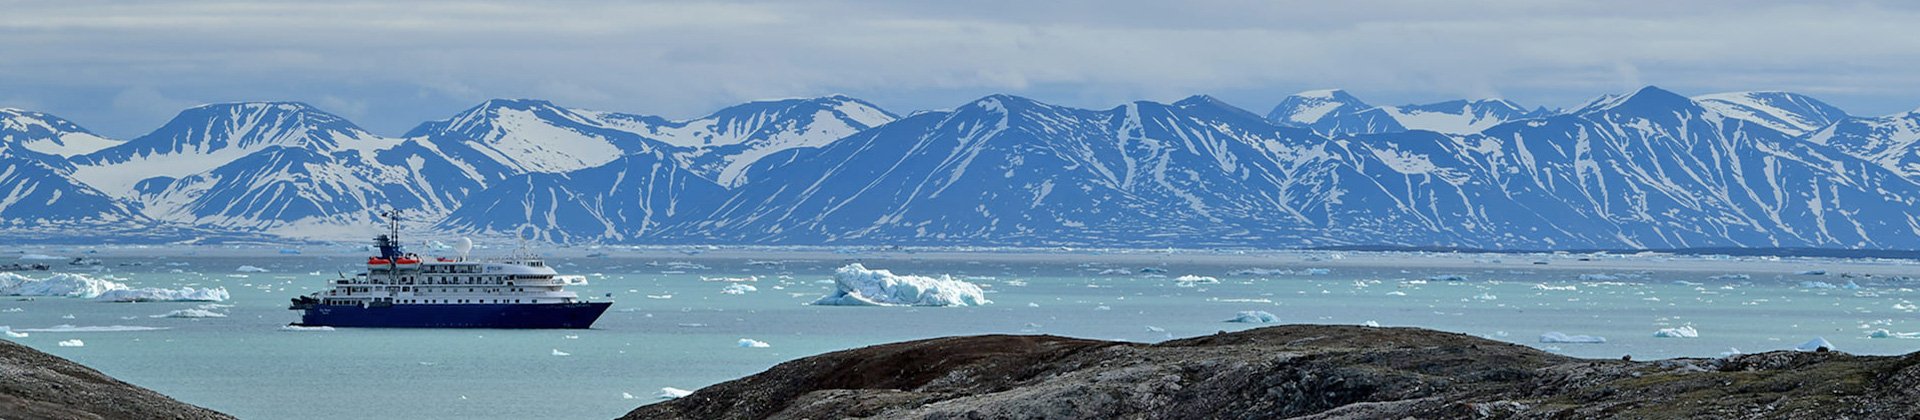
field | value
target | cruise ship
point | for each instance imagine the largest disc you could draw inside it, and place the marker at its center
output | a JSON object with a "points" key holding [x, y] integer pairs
{"points": [[404, 290]]}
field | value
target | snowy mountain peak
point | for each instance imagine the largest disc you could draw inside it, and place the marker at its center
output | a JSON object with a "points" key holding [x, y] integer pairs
{"points": [[1787, 112], [44, 133], [208, 136], [1649, 98]]}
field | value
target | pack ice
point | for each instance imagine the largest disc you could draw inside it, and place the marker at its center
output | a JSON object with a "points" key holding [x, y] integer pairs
{"points": [[855, 285], [81, 286]]}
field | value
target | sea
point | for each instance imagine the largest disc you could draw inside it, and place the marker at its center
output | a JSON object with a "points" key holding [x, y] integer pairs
{"points": [[673, 325]]}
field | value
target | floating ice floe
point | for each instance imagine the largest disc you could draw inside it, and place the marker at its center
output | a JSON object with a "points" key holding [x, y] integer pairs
{"points": [[671, 393], [149, 294], [190, 313], [63, 328], [1562, 338], [739, 289], [304, 328], [753, 344], [1255, 317], [1151, 328], [1544, 286], [73, 343], [1684, 331], [557, 352], [1486, 296], [81, 286], [250, 269], [1883, 333], [855, 285], [1191, 280], [1815, 344], [11, 333]]}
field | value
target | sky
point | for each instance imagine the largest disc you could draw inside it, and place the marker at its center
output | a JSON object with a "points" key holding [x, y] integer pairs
{"points": [[124, 68]]}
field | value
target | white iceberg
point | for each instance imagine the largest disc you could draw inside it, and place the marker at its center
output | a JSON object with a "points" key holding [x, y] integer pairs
{"points": [[738, 289], [1684, 331], [250, 269], [61, 284], [1254, 317], [304, 328], [1557, 337], [671, 393], [1884, 333], [855, 285], [1191, 280], [190, 313], [63, 328], [557, 352], [1544, 286], [10, 333], [73, 343], [1817, 285], [1815, 344], [753, 344], [149, 294]]}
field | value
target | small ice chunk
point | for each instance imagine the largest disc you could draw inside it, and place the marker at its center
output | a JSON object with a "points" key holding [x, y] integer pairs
{"points": [[1731, 351], [1371, 323], [304, 328], [739, 289], [1191, 280], [1817, 285], [1815, 344], [627, 396], [753, 344], [1255, 317], [1486, 296], [1684, 331], [1884, 333], [855, 285], [557, 352], [190, 313], [1544, 286], [671, 393], [10, 333], [1151, 328], [250, 269], [1562, 338], [73, 343]]}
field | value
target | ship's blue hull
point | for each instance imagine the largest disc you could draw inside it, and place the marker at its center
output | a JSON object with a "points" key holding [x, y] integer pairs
{"points": [[508, 315]]}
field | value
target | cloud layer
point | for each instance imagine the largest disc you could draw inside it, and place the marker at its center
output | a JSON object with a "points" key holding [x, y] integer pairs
{"points": [[122, 67]]}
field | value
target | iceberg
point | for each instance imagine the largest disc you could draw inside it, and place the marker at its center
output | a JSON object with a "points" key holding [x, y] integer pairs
{"points": [[1557, 337], [855, 285], [63, 328], [1191, 280], [149, 294], [1684, 331], [1883, 333], [738, 289], [250, 269], [190, 313], [1817, 285], [557, 352], [304, 328], [1815, 344], [671, 393], [61, 284], [73, 343], [1255, 317], [1544, 286], [10, 333], [753, 344]]}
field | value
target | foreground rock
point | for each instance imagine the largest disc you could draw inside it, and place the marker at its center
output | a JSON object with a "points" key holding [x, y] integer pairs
{"points": [[1298, 371], [36, 385]]}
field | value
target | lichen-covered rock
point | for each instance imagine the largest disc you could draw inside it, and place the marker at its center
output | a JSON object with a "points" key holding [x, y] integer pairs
{"points": [[37, 385], [1312, 371]]}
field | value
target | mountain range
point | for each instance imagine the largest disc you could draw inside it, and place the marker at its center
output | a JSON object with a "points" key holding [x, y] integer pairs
{"points": [[1650, 169]]}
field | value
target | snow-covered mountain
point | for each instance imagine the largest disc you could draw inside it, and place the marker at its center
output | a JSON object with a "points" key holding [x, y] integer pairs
{"points": [[48, 134], [719, 146], [1790, 113], [627, 199], [1892, 141], [1336, 113], [38, 189]]}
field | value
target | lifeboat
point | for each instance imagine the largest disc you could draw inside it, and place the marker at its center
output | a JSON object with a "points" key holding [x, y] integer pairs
{"points": [[407, 262], [377, 263]]}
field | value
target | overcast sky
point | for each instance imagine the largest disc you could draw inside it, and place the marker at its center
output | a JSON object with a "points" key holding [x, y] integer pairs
{"points": [[124, 68]]}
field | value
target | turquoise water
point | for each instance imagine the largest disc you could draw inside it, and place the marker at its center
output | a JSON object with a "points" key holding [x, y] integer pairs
{"points": [[244, 364]]}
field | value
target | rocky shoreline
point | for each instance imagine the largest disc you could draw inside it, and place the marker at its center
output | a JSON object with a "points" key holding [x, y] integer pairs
{"points": [[1312, 371], [37, 385]]}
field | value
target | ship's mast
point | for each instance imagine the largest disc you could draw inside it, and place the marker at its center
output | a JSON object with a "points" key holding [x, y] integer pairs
{"points": [[389, 243]]}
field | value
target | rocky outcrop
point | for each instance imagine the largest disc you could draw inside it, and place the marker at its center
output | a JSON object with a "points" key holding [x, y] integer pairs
{"points": [[37, 385], [1310, 371]]}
